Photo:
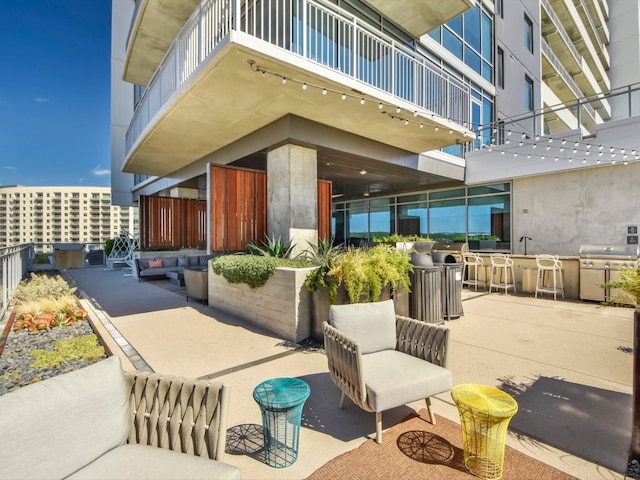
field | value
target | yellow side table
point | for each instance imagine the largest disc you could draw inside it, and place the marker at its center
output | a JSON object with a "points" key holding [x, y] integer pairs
{"points": [[485, 413]]}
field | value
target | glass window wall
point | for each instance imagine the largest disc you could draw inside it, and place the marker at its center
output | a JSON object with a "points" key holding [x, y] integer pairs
{"points": [[479, 215]]}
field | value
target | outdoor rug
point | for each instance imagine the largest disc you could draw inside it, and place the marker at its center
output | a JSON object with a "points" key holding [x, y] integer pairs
{"points": [[416, 449]]}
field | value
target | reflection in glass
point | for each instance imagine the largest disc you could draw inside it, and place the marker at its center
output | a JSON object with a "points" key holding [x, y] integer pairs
{"points": [[447, 220], [412, 219]]}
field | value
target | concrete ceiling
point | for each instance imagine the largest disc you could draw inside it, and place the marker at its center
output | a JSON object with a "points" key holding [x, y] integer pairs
{"points": [[156, 24], [420, 16], [227, 100], [343, 170]]}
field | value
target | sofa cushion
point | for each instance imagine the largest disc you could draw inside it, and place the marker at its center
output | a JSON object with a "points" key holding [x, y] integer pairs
{"points": [[155, 264], [55, 427], [194, 260], [144, 263], [394, 378], [183, 261], [170, 262], [372, 325], [158, 272], [203, 260], [142, 461]]}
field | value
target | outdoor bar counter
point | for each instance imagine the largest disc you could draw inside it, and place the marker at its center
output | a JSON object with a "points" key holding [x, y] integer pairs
{"points": [[525, 271]]}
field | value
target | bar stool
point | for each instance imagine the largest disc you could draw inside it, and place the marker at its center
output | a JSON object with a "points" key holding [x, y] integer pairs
{"points": [[549, 264], [502, 266], [471, 263]]}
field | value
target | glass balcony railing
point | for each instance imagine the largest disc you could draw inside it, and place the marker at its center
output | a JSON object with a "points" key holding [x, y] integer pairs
{"points": [[318, 32]]}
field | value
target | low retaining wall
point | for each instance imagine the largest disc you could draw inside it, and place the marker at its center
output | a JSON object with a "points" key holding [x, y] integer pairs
{"points": [[282, 305]]}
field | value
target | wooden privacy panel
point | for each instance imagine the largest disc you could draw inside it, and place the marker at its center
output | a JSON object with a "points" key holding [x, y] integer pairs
{"points": [[324, 210], [172, 222], [238, 208]]}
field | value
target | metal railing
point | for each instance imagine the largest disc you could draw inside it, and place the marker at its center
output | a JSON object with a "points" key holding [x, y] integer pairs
{"points": [[318, 32], [14, 264], [561, 31], [627, 99], [573, 86], [16, 261]]}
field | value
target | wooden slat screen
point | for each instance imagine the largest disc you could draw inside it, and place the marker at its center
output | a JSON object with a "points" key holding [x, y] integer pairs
{"points": [[238, 208], [324, 210], [167, 222]]}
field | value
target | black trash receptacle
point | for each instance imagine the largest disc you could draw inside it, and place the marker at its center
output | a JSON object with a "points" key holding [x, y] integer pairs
{"points": [[452, 290], [425, 301]]}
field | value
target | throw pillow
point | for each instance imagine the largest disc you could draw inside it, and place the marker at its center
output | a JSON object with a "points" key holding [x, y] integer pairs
{"points": [[155, 263], [183, 261]]}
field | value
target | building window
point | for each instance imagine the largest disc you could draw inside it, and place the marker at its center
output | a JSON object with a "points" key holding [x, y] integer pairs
{"points": [[528, 33], [528, 93], [500, 68], [470, 38], [500, 8]]}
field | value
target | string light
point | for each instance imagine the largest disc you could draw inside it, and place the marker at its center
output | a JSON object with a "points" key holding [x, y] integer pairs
{"points": [[524, 135]]}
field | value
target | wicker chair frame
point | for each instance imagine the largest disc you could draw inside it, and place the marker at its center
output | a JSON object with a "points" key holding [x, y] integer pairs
{"points": [[179, 414], [426, 341]]}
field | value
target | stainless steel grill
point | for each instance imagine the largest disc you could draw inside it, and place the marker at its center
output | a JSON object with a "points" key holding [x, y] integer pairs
{"points": [[602, 263]]}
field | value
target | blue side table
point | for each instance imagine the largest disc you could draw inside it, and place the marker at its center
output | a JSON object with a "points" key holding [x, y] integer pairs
{"points": [[281, 401]]}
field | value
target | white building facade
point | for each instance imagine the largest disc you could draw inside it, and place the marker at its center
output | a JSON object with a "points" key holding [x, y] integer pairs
{"points": [[428, 117], [62, 215]]}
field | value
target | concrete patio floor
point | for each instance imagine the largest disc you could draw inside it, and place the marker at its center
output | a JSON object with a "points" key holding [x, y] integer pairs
{"points": [[514, 342]]}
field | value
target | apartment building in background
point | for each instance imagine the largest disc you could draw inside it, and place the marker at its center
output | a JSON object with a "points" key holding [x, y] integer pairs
{"points": [[449, 119], [62, 215]]}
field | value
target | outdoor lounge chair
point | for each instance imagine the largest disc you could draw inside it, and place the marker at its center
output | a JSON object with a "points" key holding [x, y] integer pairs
{"points": [[381, 360]]}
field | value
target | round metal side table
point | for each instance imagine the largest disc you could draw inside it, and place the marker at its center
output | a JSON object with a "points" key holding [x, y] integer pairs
{"points": [[485, 413], [281, 401]]}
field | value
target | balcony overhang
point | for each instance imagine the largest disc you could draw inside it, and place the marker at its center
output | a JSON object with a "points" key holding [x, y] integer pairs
{"points": [[227, 99], [420, 16], [154, 26]]}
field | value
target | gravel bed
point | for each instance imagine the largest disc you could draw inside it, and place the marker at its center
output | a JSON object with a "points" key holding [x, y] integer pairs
{"points": [[16, 357]]}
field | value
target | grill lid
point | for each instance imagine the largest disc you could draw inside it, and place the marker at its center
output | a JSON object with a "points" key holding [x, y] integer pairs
{"points": [[622, 252]]}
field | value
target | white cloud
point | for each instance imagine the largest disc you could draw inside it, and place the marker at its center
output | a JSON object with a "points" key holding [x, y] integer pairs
{"points": [[40, 100], [11, 168], [99, 172]]}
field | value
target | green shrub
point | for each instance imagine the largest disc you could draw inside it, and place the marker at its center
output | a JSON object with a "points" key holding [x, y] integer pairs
{"points": [[85, 347], [108, 246], [253, 270], [41, 286], [322, 256], [629, 283], [365, 273]]}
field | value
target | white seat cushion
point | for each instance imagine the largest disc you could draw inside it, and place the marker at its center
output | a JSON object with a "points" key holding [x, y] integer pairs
{"points": [[154, 463], [394, 378]]}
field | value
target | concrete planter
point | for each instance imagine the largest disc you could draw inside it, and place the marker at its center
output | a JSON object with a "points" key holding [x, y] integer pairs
{"points": [[281, 306]]}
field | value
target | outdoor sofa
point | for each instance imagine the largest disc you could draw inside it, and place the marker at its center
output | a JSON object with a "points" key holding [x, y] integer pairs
{"points": [[100, 422], [159, 267]]}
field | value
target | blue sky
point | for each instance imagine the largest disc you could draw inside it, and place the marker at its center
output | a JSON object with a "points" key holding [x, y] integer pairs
{"points": [[54, 92]]}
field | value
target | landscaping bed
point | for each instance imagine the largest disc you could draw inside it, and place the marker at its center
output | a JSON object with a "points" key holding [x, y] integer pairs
{"points": [[17, 358], [48, 334]]}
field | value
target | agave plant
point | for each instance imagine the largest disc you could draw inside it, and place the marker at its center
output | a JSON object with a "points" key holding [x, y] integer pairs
{"points": [[272, 247]]}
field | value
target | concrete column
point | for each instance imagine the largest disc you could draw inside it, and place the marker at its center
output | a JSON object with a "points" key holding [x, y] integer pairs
{"points": [[292, 195]]}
